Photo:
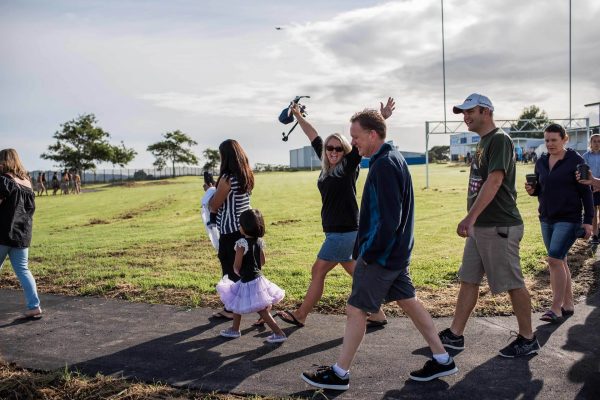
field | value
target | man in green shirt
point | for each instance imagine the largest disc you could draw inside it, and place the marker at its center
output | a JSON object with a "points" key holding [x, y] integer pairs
{"points": [[493, 229]]}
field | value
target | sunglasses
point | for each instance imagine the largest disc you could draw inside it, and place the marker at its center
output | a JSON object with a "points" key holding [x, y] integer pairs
{"points": [[338, 149]]}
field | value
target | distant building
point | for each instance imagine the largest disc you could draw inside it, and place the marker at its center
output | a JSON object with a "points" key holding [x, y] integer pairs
{"points": [[412, 158], [304, 157]]}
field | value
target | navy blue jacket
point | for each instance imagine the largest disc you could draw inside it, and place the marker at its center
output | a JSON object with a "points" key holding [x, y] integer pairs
{"points": [[561, 197], [386, 225]]}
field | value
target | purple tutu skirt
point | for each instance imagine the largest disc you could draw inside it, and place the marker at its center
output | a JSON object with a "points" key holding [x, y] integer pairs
{"points": [[249, 297]]}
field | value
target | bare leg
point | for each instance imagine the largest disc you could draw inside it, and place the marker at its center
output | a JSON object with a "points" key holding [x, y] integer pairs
{"points": [[521, 303], [558, 281], [237, 319], [314, 293], [266, 316], [568, 303], [356, 324], [424, 323], [465, 303]]}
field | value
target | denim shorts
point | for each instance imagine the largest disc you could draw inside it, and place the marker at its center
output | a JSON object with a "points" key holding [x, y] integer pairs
{"points": [[559, 237], [337, 246]]}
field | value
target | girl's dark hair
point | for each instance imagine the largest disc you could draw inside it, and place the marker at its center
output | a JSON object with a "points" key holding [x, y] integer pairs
{"points": [[253, 223], [234, 161], [556, 128]]}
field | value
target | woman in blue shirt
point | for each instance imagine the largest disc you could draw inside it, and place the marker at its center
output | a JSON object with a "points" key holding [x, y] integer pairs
{"points": [[561, 200]]}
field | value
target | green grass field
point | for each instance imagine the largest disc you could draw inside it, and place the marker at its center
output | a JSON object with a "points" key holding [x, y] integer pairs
{"points": [[146, 241]]}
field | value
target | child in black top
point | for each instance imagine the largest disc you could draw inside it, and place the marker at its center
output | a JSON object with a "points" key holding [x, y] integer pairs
{"points": [[252, 292]]}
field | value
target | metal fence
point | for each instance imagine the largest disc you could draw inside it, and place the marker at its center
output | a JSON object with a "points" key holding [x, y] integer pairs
{"points": [[122, 174]]}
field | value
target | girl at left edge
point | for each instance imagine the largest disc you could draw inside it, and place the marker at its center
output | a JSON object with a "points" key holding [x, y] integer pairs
{"points": [[17, 205], [232, 197]]}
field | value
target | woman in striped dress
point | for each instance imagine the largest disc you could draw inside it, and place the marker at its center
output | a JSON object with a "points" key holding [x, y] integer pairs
{"points": [[232, 197]]}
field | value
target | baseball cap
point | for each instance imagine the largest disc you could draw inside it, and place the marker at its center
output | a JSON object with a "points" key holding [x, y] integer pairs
{"points": [[473, 100]]}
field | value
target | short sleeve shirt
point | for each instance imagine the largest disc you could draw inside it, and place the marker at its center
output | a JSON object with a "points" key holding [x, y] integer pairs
{"points": [[495, 152]]}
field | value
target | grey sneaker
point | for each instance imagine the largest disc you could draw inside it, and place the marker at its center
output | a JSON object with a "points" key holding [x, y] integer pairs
{"points": [[275, 338], [520, 347], [231, 333], [452, 341]]}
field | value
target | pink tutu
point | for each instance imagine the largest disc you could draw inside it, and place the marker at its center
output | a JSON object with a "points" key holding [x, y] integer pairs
{"points": [[249, 297]]}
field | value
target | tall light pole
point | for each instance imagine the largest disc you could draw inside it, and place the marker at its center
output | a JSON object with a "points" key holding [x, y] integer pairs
{"points": [[570, 114], [444, 66]]}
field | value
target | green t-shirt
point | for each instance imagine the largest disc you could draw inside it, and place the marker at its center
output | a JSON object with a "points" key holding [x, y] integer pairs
{"points": [[495, 152]]}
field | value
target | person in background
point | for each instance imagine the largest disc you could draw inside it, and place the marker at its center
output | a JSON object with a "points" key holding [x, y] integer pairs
{"points": [[17, 206], [562, 201], [55, 184], [40, 184], [592, 158]]}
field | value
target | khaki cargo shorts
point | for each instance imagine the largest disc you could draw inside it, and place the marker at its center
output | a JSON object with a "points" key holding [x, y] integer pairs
{"points": [[493, 251]]}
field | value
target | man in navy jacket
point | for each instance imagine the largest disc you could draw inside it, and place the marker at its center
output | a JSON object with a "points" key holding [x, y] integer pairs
{"points": [[383, 249]]}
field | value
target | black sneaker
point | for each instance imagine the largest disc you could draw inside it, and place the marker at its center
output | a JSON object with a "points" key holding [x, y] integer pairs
{"points": [[326, 378], [452, 341], [520, 347], [434, 369]]}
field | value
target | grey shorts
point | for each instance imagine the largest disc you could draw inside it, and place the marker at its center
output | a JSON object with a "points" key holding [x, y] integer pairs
{"points": [[493, 251], [373, 285]]}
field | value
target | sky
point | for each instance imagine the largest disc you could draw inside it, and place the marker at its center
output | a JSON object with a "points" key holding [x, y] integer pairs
{"points": [[218, 69]]}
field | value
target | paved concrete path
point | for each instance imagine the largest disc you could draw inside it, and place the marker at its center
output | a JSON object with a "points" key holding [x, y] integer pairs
{"points": [[182, 347]]}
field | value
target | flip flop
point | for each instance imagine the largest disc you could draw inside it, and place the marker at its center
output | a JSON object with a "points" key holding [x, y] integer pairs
{"points": [[376, 324], [259, 322], [567, 313], [220, 315], [292, 320], [550, 316]]}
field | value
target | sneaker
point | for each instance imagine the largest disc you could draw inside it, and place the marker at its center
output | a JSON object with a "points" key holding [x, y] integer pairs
{"points": [[326, 378], [275, 338], [231, 333], [520, 347], [434, 369], [452, 341]]}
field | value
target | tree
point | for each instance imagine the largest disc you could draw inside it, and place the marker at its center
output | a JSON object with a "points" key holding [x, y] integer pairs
{"points": [[82, 143], [212, 158], [173, 149], [439, 153], [540, 121]]}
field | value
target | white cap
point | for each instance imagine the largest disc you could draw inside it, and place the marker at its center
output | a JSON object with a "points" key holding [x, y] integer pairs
{"points": [[473, 100]]}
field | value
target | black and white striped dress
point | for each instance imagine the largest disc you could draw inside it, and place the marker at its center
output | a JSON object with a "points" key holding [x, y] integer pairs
{"points": [[228, 217]]}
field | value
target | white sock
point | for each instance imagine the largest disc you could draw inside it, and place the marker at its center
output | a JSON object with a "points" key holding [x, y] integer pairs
{"points": [[339, 371], [443, 358]]}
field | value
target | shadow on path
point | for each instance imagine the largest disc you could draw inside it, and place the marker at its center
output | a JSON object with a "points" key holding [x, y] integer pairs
{"points": [[210, 364]]}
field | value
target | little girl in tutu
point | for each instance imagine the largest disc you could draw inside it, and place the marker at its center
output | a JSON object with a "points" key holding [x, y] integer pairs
{"points": [[253, 292]]}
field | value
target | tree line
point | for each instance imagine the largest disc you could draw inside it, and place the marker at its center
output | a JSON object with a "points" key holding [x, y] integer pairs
{"points": [[81, 144]]}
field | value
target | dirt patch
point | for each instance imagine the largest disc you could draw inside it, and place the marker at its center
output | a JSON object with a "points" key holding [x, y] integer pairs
{"points": [[18, 383], [127, 184], [285, 222], [97, 221]]}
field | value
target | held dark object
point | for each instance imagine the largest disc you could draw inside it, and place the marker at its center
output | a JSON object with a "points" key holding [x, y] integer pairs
{"points": [[583, 170], [580, 233], [531, 179], [286, 116]]}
